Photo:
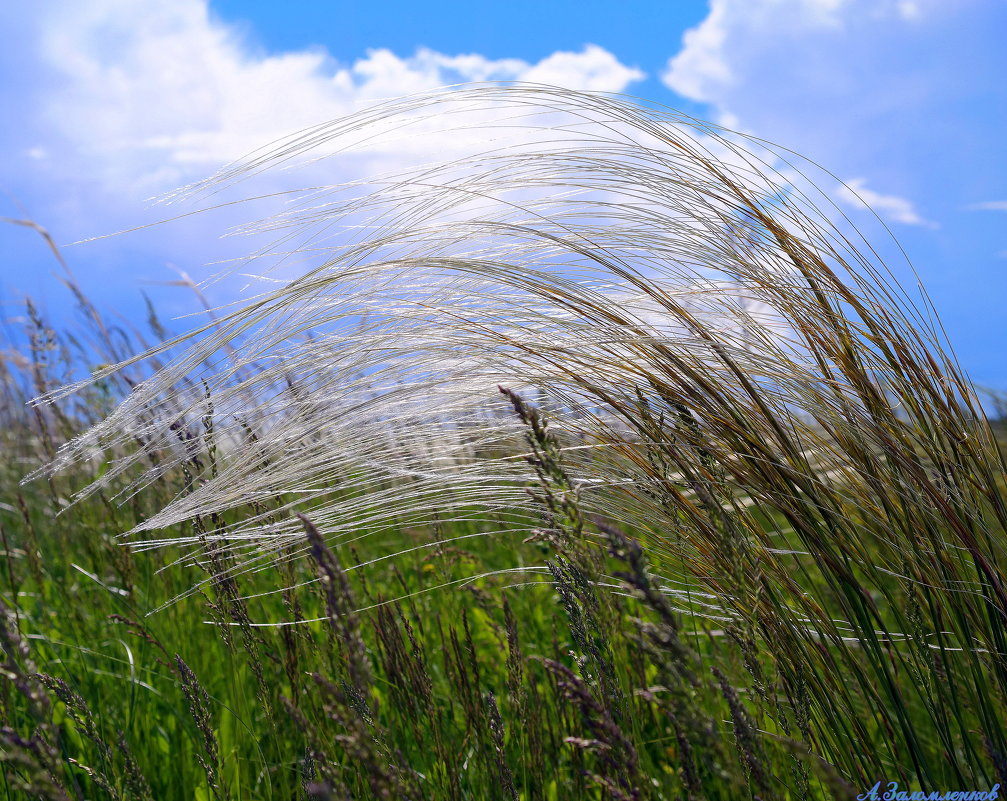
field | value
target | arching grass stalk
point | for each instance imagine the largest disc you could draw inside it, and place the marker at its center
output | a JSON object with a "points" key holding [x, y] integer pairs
{"points": [[727, 370]]}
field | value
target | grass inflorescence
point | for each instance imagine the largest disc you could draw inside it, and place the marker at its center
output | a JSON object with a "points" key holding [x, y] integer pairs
{"points": [[597, 465]]}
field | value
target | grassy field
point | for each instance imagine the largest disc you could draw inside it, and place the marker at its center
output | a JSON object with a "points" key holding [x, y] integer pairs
{"points": [[702, 562], [505, 686]]}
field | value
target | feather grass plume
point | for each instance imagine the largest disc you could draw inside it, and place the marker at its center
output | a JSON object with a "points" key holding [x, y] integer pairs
{"points": [[726, 370]]}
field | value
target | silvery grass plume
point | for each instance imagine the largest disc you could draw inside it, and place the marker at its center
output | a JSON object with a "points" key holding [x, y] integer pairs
{"points": [[732, 373]]}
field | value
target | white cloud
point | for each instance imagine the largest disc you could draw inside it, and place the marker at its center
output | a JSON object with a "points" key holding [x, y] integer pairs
{"points": [[155, 95], [593, 69], [863, 87], [892, 207], [989, 205], [727, 52], [700, 66], [705, 69], [116, 101]]}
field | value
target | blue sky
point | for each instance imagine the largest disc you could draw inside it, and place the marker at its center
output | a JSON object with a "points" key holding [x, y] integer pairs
{"points": [[109, 102]]}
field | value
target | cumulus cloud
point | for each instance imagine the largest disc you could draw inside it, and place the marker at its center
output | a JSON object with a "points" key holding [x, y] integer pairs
{"points": [[897, 91], [701, 66], [112, 102], [892, 207], [594, 69], [153, 95], [737, 36]]}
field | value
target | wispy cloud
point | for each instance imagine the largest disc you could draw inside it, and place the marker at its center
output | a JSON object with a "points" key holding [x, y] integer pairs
{"points": [[988, 205], [891, 207]]}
